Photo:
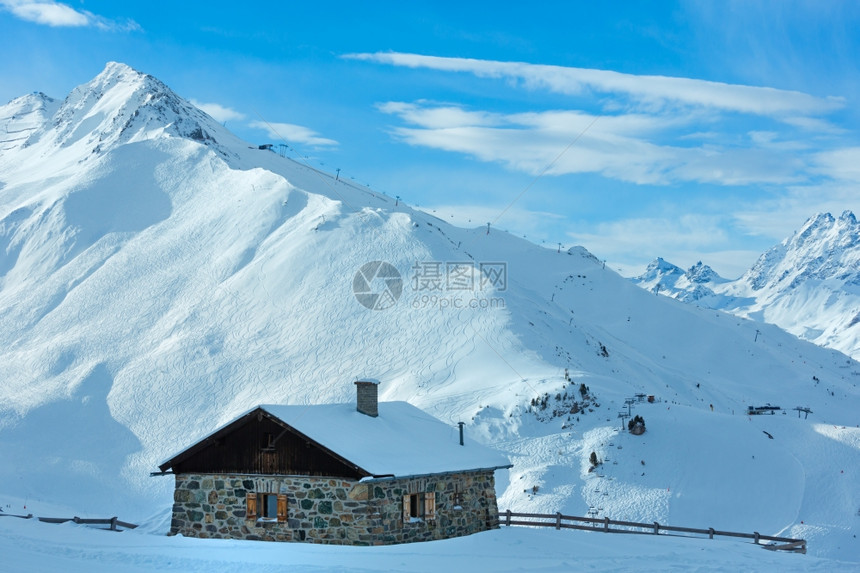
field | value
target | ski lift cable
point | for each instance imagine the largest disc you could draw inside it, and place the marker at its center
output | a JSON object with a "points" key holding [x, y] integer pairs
{"points": [[547, 168], [502, 358]]}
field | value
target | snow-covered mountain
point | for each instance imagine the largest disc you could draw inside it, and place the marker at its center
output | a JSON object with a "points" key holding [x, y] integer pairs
{"points": [[809, 284], [662, 277], [158, 276]]}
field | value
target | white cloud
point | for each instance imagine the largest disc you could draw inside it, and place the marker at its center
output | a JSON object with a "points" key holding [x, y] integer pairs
{"points": [[650, 92], [623, 147], [293, 133], [814, 124], [682, 241], [628, 235], [439, 117], [57, 14], [840, 164], [46, 12], [219, 112], [778, 217], [651, 130], [780, 145]]}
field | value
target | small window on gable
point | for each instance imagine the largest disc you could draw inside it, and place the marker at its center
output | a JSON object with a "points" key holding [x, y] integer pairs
{"points": [[419, 507], [268, 443]]}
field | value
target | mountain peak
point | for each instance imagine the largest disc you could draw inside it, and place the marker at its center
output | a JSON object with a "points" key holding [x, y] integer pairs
{"points": [[22, 117], [824, 222], [702, 273], [119, 105], [823, 248], [659, 265], [659, 275], [113, 73], [119, 69], [665, 278], [820, 218], [131, 106]]}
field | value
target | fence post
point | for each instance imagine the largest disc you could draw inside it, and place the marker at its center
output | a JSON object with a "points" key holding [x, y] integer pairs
{"points": [[656, 528], [605, 523], [558, 520], [508, 518], [710, 533], [113, 523], [757, 536]]}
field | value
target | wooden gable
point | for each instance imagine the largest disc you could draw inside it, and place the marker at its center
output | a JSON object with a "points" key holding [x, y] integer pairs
{"points": [[259, 443]]}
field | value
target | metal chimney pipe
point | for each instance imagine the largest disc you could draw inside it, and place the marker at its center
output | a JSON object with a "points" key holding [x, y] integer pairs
{"points": [[461, 424]]}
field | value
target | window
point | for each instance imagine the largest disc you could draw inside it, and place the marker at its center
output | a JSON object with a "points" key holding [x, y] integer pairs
{"points": [[268, 443], [266, 507], [458, 499], [419, 507]]}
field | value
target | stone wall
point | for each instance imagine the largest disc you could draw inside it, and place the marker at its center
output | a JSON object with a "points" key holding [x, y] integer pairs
{"points": [[334, 510]]}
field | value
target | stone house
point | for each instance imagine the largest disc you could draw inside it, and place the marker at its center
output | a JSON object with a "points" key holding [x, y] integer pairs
{"points": [[371, 474]]}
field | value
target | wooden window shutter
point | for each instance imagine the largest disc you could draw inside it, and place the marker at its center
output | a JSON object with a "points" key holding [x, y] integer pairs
{"points": [[251, 507], [406, 513], [430, 505], [282, 507]]}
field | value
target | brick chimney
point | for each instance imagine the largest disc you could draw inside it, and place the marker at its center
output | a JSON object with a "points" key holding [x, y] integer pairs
{"points": [[367, 400]]}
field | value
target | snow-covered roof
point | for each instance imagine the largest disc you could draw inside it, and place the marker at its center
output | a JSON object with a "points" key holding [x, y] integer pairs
{"points": [[401, 441]]}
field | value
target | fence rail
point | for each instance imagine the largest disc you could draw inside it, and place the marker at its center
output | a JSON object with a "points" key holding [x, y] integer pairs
{"points": [[114, 523], [559, 521]]}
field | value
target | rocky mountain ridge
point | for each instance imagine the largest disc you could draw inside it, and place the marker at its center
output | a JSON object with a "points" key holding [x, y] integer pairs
{"points": [[808, 284]]}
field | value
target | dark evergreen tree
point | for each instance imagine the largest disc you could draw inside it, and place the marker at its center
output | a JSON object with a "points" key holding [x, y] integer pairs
{"points": [[636, 425]]}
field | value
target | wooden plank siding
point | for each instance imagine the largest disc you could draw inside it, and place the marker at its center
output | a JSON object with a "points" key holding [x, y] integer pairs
{"points": [[260, 444]]}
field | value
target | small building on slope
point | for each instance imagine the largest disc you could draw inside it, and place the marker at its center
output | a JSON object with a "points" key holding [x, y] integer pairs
{"points": [[375, 474]]}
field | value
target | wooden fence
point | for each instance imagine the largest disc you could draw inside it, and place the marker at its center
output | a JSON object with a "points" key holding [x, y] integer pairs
{"points": [[113, 523], [607, 525]]}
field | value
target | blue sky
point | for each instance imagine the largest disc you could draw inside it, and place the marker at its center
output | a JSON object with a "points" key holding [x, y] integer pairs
{"points": [[690, 130]]}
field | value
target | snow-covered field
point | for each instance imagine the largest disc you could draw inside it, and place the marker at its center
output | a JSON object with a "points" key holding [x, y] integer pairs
{"points": [[158, 277], [37, 547]]}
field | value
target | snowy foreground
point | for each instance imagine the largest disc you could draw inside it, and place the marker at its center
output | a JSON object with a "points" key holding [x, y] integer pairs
{"points": [[27, 545]]}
